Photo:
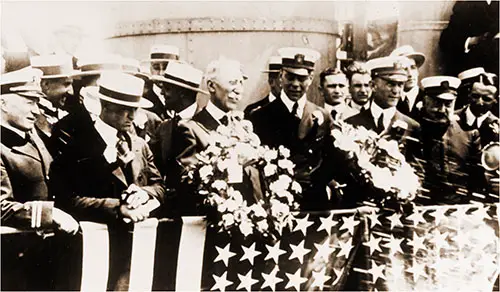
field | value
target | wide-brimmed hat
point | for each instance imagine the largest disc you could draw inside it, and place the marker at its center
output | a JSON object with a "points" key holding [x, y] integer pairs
{"points": [[24, 82], [442, 87], [274, 65], [95, 64], [120, 88], [163, 53], [54, 66], [183, 75], [133, 66], [392, 68], [299, 61], [409, 52]]}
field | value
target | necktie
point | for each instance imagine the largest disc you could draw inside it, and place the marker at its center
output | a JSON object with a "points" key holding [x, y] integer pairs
{"points": [[123, 147], [294, 109], [380, 123], [224, 120], [334, 114], [405, 106], [476, 124]]}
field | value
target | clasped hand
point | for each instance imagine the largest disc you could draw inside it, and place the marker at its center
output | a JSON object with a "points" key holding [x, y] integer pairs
{"points": [[132, 207]]}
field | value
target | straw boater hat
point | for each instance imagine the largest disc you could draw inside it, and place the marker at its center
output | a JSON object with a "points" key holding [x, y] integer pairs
{"points": [[95, 64], [183, 75], [389, 68], [163, 53], [442, 87], [132, 66], [274, 65], [120, 88], [24, 82], [409, 52], [54, 66], [298, 61]]}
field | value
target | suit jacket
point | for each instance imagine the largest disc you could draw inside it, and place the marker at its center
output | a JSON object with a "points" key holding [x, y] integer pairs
{"points": [[486, 131], [471, 18], [89, 187], [24, 176], [162, 145], [256, 105], [451, 163], [158, 107], [192, 137], [307, 141], [414, 113], [146, 126]]}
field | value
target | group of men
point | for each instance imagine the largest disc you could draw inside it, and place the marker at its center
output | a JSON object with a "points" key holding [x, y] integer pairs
{"points": [[109, 143]]}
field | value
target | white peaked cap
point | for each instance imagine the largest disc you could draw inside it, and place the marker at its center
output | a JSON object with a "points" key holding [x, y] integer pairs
{"points": [[469, 73]]}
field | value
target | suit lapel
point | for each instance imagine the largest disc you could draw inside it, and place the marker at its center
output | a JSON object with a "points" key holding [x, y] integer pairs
{"points": [[44, 153], [206, 120], [306, 122]]}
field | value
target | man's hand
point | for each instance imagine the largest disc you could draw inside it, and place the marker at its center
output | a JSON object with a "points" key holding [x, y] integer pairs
{"points": [[136, 196], [64, 221], [134, 215]]}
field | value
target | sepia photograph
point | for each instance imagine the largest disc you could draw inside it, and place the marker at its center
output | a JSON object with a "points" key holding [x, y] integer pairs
{"points": [[327, 145]]}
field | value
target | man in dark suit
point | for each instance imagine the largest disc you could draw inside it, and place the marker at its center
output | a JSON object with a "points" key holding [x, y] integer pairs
{"points": [[25, 199], [477, 115], [105, 173], [159, 58], [451, 155], [334, 86], [181, 83], [273, 79], [389, 76], [411, 100], [360, 87], [471, 38], [299, 125]]}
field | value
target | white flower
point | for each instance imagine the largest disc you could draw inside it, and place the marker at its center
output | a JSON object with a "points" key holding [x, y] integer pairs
{"points": [[247, 125], [205, 171], [296, 187], [262, 225], [223, 164], [381, 178], [228, 219], [286, 164], [279, 209], [400, 124], [284, 151], [246, 227], [318, 117], [281, 184], [231, 205], [235, 195], [212, 149], [110, 154], [270, 155], [270, 169], [258, 210], [219, 185]]}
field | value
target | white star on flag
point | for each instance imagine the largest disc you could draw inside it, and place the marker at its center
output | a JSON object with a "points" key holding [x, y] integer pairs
{"points": [[345, 248], [246, 281], [417, 242], [295, 280], [320, 278], [221, 282], [417, 270], [303, 224], [327, 224], [374, 244], [270, 280], [394, 245], [224, 254], [395, 220], [439, 239], [298, 251], [438, 215], [274, 252], [374, 219], [397, 272], [349, 224], [460, 213], [324, 250], [377, 272], [249, 253], [417, 217], [461, 238], [481, 213]]}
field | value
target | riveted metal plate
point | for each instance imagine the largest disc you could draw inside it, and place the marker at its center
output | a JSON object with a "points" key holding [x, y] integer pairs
{"points": [[224, 24]]}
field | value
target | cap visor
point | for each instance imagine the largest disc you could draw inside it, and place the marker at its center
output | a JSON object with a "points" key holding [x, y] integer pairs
{"points": [[297, 71], [395, 77], [142, 103], [418, 57], [270, 71], [446, 96], [158, 60], [180, 84]]}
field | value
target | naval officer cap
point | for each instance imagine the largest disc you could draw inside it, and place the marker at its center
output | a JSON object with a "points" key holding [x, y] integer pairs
{"points": [[442, 87], [299, 61], [389, 68], [274, 65], [24, 82]]}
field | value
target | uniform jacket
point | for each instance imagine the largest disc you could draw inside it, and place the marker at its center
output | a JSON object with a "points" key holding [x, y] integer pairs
{"points": [[89, 187], [486, 131], [307, 142], [24, 177], [256, 105]]}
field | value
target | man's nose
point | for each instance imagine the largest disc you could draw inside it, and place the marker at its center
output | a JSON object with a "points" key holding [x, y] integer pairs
{"points": [[35, 109], [131, 114], [70, 90]]}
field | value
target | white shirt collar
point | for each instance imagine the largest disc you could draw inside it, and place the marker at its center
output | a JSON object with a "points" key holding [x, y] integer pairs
{"points": [[214, 111], [188, 112], [108, 133], [289, 103], [470, 117], [358, 107], [15, 130], [157, 91], [271, 97], [411, 95], [388, 113]]}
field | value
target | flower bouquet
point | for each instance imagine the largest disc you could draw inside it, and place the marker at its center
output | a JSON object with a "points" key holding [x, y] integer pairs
{"points": [[377, 163], [235, 157]]}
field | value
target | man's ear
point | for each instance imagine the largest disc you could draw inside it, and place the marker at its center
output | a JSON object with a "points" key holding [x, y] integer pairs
{"points": [[44, 84], [3, 103], [211, 86]]}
